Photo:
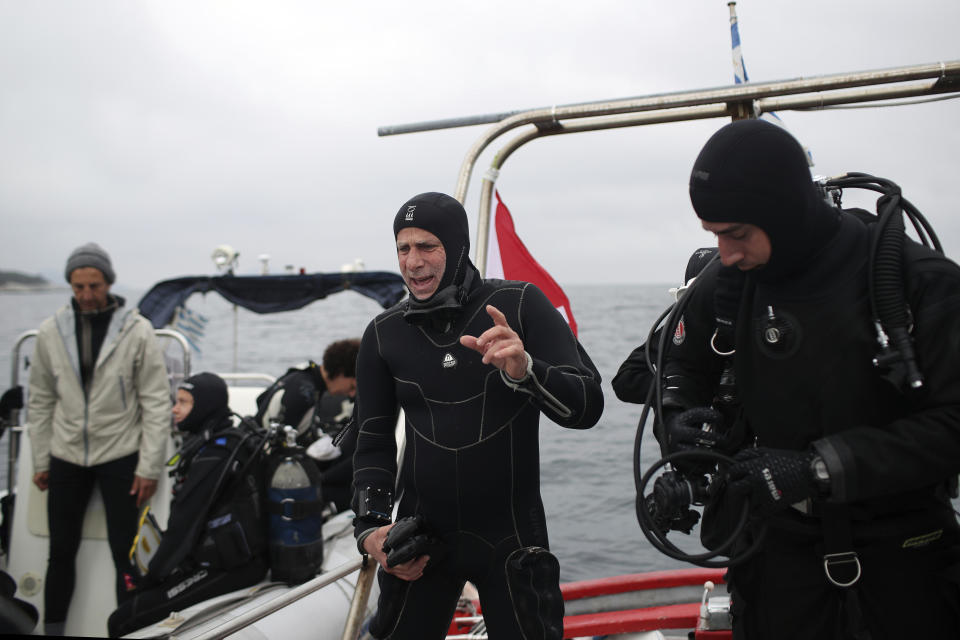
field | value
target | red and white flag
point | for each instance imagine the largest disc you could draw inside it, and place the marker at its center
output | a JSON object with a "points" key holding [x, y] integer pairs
{"points": [[508, 258]]}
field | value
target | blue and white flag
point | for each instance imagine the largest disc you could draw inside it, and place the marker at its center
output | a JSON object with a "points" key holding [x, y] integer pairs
{"points": [[739, 69], [192, 325], [740, 73]]}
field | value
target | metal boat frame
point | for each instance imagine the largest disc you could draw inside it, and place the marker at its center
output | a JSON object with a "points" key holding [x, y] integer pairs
{"points": [[737, 101]]}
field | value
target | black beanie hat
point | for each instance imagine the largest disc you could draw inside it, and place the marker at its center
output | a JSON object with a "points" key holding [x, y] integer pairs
{"points": [[755, 172], [209, 393], [444, 217]]}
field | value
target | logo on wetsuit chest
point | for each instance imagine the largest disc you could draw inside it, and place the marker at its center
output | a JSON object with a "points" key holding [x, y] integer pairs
{"points": [[449, 361], [680, 333]]}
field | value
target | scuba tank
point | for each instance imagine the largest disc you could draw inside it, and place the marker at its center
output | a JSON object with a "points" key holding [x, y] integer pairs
{"points": [[294, 504]]}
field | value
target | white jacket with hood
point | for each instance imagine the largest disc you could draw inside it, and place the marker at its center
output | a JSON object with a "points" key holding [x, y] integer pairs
{"points": [[128, 409]]}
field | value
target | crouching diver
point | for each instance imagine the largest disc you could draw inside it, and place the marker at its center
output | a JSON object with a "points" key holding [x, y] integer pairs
{"points": [[215, 540], [472, 363], [846, 454]]}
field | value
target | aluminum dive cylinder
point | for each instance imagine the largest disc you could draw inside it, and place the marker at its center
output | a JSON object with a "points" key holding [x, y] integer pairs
{"points": [[295, 505]]}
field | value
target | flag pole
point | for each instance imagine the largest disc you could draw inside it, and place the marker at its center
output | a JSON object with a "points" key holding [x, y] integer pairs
{"points": [[739, 69]]}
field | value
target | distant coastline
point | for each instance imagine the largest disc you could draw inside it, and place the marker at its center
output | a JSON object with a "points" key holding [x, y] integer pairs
{"points": [[16, 281]]}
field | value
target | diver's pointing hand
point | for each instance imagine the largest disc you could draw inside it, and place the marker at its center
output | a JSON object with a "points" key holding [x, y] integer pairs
{"points": [[500, 345]]}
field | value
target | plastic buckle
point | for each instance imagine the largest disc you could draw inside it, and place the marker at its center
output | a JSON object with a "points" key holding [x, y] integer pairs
{"points": [[834, 559]]}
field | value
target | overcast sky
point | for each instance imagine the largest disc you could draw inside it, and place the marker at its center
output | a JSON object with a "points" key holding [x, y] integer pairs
{"points": [[164, 129]]}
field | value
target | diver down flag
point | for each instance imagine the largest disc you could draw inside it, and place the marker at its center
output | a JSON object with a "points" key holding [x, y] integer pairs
{"points": [[508, 258]]}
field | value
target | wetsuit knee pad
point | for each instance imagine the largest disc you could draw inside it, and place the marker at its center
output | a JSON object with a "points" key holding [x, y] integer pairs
{"points": [[533, 577]]}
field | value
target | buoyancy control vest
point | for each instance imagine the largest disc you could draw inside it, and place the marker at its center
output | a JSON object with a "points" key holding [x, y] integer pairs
{"points": [[295, 505], [299, 399], [217, 517], [292, 398], [235, 532]]}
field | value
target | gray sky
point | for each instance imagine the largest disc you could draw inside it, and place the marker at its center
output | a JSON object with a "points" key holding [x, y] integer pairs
{"points": [[164, 129]]}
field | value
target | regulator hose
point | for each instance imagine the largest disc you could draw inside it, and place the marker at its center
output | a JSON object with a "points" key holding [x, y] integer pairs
{"points": [[885, 277], [667, 322]]}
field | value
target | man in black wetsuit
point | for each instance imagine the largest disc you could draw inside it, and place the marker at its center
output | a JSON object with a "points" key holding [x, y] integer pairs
{"points": [[846, 469], [472, 363]]}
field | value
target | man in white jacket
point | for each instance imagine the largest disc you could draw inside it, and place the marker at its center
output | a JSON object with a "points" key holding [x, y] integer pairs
{"points": [[99, 412]]}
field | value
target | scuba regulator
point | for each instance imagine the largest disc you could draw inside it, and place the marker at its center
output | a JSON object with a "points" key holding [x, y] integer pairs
{"points": [[696, 476]]}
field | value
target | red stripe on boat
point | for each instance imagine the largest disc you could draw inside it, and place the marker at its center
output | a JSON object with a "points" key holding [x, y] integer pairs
{"points": [[674, 616], [640, 582]]}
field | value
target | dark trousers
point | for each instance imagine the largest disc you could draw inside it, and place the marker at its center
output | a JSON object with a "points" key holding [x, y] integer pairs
{"points": [[70, 489], [176, 593]]}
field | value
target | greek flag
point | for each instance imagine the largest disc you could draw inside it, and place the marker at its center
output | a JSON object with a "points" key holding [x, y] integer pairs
{"points": [[739, 69], [191, 324], [740, 72]]}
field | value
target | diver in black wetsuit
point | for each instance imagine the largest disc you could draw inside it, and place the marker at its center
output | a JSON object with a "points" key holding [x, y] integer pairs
{"points": [[472, 363], [215, 540], [846, 469]]}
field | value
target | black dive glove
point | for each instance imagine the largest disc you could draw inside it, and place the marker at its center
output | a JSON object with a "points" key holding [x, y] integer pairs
{"points": [[772, 479], [409, 539], [693, 428]]}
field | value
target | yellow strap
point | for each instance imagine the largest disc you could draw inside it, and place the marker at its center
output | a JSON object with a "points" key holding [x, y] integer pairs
{"points": [[136, 538]]}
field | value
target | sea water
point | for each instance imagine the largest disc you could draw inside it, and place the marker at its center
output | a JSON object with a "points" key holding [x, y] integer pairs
{"points": [[586, 476]]}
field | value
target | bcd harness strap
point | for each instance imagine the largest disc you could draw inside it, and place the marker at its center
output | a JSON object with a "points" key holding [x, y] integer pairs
{"points": [[842, 564], [840, 561]]}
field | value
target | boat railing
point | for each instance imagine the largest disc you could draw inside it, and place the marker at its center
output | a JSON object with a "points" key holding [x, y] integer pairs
{"points": [[253, 377], [271, 606], [184, 344], [737, 101], [13, 420]]}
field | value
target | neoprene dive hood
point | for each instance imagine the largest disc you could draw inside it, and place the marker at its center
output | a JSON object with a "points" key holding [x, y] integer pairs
{"points": [[444, 217], [210, 399], [754, 172]]}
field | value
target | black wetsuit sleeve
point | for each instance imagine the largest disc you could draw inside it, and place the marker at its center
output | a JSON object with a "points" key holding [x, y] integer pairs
{"points": [[568, 387], [340, 471], [375, 458], [691, 369], [633, 379], [188, 512], [922, 448]]}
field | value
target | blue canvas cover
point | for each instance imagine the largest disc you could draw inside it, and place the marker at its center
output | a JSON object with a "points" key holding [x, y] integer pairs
{"points": [[270, 293]]}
